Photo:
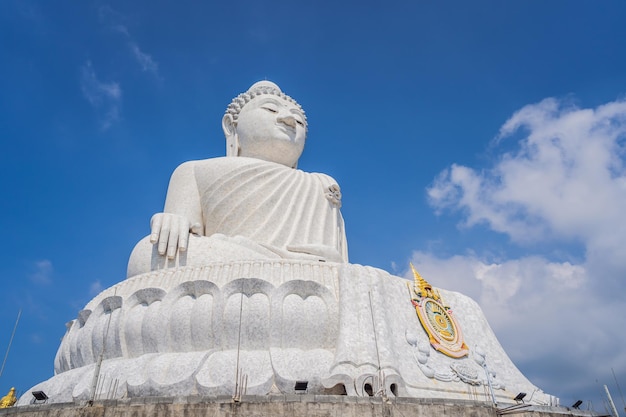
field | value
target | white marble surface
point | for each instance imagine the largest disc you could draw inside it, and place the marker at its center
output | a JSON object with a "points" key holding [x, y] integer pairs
{"points": [[253, 203], [178, 331], [249, 209]]}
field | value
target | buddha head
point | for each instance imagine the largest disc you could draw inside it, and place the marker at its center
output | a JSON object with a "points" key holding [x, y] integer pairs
{"points": [[265, 123]]}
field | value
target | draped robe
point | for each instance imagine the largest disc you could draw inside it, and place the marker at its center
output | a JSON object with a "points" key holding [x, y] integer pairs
{"points": [[251, 209]]}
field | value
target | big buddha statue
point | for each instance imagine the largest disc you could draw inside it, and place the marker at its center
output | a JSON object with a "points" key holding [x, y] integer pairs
{"points": [[243, 286], [253, 203]]}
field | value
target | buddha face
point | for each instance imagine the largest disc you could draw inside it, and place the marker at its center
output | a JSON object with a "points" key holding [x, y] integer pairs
{"points": [[270, 128]]}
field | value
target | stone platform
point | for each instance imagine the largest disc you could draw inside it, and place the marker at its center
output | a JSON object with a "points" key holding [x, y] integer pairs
{"points": [[299, 405], [344, 328]]}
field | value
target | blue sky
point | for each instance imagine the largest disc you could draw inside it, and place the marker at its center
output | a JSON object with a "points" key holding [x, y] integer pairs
{"points": [[484, 141]]}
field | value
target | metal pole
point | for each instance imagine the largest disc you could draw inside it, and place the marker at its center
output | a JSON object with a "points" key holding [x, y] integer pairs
{"points": [[381, 387], [619, 389], [236, 397], [96, 374], [6, 355], [493, 397], [611, 403]]}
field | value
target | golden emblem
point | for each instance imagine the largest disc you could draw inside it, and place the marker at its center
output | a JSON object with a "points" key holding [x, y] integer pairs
{"points": [[437, 319]]}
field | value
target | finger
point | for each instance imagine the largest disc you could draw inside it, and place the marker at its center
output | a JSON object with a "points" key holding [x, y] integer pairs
{"points": [[164, 235], [172, 241], [155, 227], [196, 229], [183, 236]]}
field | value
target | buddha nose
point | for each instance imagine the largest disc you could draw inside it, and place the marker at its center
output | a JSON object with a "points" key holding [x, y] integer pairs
{"points": [[287, 119]]}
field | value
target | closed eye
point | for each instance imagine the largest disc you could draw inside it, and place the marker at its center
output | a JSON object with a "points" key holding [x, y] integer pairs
{"points": [[300, 122], [270, 109]]}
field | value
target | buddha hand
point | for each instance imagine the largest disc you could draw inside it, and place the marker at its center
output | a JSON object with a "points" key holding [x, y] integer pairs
{"points": [[170, 232]]}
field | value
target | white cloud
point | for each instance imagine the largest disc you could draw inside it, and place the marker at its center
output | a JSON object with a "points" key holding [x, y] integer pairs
{"points": [[112, 18], [566, 180], [115, 21], [547, 315], [145, 61], [563, 184], [105, 97], [42, 274], [512, 291], [95, 288]]}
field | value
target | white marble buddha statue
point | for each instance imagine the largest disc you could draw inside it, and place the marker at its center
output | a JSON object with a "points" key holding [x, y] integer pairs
{"points": [[252, 204], [245, 274]]}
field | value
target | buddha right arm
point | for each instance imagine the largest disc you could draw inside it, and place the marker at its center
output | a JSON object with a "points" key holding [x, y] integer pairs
{"points": [[182, 213]]}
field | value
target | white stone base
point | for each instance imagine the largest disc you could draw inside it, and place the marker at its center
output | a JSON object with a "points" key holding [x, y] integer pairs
{"points": [[341, 327]]}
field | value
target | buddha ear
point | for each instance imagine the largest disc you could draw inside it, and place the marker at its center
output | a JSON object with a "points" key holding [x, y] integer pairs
{"points": [[230, 131]]}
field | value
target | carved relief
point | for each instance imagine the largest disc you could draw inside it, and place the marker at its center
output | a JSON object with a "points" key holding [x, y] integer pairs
{"points": [[196, 316]]}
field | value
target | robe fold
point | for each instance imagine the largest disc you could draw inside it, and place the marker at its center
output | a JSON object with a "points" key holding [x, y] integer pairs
{"points": [[269, 203], [250, 209]]}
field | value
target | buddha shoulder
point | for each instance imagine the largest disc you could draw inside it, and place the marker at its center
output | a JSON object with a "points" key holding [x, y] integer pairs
{"points": [[221, 165]]}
